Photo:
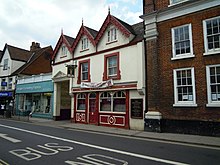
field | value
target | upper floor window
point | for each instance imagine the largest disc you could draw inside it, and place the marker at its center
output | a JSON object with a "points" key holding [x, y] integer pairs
{"points": [[212, 35], [112, 35], [63, 51], [5, 65], [176, 1], [213, 85], [84, 71], [184, 87], [111, 70], [85, 43], [182, 42]]}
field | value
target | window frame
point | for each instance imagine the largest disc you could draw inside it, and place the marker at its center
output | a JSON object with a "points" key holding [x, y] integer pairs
{"points": [[112, 103], [5, 64], [210, 103], [63, 51], [184, 55], [106, 75], [175, 3], [84, 43], [184, 103], [207, 50], [112, 35], [80, 71], [82, 98]]}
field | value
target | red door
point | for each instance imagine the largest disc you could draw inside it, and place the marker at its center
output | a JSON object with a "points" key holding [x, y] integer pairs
{"points": [[92, 108]]}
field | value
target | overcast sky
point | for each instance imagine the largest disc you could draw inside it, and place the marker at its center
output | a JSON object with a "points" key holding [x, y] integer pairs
{"points": [[24, 21]]}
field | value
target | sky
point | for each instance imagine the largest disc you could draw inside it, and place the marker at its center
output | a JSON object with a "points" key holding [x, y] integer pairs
{"points": [[25, 21]]}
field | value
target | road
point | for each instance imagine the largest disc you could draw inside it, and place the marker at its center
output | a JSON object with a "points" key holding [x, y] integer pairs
{"points": [[26, 143]]}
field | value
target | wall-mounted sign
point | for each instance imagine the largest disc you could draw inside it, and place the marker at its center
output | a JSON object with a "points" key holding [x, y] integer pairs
{"points": [[103, 84], [3, 84], [137, 108], [6, 94]]}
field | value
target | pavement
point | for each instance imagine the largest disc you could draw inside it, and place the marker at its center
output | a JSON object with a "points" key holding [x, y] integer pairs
{"points": [[207, 141]]}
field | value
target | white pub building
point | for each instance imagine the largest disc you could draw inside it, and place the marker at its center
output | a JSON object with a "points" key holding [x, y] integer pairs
{"points": [[99, 77]]}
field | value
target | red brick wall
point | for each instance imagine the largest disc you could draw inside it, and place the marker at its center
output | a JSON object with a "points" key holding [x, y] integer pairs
{"points": [[199, 62], [151, 5]]}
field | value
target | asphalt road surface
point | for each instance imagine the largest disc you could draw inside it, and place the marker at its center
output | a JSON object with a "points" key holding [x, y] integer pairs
{"points": [[25, 143]]}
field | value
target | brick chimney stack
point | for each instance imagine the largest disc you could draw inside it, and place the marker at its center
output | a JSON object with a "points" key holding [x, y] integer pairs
{"points": [[34, 46]]}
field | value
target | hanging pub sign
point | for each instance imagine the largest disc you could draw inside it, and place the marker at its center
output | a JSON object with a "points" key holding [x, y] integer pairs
{"points": [[137, 108], [103, 84]]}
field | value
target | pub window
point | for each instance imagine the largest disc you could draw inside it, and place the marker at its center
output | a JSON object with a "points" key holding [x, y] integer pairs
{"points": [[81, 101]]}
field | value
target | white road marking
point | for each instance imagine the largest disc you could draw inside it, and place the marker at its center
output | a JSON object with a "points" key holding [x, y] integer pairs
{"points": [[99, 147], [6, 137]]}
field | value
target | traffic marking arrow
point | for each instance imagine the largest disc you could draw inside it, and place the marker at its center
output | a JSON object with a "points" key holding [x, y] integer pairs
{"points": [[13, 140]]}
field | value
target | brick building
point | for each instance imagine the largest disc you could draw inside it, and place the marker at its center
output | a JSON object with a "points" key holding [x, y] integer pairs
{"points": [[182, 40]]}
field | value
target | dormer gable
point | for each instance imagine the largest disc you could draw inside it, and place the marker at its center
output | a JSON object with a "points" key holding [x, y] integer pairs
{"points": [[88, 34], [122, 26], [64, 42]]}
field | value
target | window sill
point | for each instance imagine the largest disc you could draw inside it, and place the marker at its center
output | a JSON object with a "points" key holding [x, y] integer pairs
{"points": [[213, 105], [211, 53], [172, 4], [110, 42], [110, 112], [184, 105], [80, 110], [183, 57], [84, 50]]}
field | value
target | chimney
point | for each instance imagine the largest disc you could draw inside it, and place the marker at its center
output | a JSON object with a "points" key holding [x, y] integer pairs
{"points": [[34, 46]]}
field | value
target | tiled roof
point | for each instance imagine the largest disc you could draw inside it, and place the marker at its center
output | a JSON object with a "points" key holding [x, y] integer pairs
{"points": [[69, 39], [92, 31], [18, 53], [46, 52], [139, 31]]}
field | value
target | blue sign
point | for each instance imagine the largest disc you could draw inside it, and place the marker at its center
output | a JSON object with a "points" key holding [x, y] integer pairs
{"points": [[4, 84], [5, 94]]}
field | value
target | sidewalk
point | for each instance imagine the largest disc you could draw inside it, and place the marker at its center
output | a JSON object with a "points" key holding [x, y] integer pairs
{"points": [[171, 137]]}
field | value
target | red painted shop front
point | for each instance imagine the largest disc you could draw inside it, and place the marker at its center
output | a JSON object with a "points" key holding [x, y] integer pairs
{"points": [[109, 108]]}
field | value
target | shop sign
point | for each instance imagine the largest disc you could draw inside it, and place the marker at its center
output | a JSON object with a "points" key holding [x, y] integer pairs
{"points": [[3, 84], [137, 108], [5, 94], [103, 84]]}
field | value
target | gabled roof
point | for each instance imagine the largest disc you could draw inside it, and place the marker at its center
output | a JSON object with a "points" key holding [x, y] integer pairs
{"points": [[1, 55], [64, 39], [17, 54], [46, 53], [90, 33], [139, 32], [125, 28]]}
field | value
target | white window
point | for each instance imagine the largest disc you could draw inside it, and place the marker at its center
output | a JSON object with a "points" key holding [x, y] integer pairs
{"points": [[10, 83], [4, 84], [182, 42], [5, 66], [184, 87], [172, 2], [63, 51], [85, 44], [112, 35], [211, 29], [213, 85]]}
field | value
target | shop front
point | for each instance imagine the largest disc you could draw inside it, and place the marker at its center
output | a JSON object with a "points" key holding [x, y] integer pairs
{"points": [[114, 106], [6, 101], [35, 99]]}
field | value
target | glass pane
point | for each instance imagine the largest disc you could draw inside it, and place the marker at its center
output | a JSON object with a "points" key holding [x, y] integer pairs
{"points": [[212, 79], [81, 104], [119, 105], [212, 71], [213, 89], [105, 105]]}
